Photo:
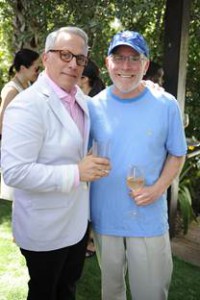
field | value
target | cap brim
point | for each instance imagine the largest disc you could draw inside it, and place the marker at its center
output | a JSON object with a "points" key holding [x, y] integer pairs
{"points": [[126, 44]]}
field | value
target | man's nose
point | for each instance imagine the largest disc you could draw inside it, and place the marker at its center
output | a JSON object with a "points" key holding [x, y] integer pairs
{"points": [[73, 62], [126, 63]]}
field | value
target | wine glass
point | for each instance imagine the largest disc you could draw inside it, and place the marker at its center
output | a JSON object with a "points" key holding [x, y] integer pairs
{"points": [[135, 178]]}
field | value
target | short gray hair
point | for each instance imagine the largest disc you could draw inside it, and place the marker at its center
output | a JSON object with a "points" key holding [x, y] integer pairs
{"points": [[52, 37]]}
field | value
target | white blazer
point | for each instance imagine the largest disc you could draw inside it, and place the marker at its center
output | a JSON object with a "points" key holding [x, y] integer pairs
{"points": [[41, 147]]}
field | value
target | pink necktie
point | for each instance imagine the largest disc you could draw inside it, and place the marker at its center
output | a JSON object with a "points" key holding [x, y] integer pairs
{"points": [[75, 110]]}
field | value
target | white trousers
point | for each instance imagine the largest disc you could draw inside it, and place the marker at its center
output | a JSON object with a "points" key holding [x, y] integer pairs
{"points": [[149, 263]]}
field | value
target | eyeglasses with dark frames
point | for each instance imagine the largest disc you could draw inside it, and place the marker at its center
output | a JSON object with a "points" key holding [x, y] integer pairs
{"points": [[67, 56]]}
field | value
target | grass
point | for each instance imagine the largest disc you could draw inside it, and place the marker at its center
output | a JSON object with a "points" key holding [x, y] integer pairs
{"points": [[13, 273]]}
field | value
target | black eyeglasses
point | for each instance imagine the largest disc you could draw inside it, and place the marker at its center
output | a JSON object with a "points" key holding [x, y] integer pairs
{"points": [[67, 56]]}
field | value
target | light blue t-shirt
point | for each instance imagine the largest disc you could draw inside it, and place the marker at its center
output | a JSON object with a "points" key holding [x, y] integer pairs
{"points": [[142, 131]]}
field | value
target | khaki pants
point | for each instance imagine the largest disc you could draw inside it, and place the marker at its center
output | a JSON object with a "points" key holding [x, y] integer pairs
{"points": [[149, 263]]}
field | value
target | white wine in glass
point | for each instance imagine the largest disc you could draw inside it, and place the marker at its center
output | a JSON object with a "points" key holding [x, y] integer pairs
{"points": [[135, 178]]}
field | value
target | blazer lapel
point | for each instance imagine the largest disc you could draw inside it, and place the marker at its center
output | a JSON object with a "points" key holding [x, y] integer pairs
{"points": [[57, 107], [60, 111], [62, 114]]}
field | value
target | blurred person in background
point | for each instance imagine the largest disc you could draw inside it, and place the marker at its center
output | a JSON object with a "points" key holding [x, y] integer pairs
{"points": [[24, 71], [154, 73], [90, 81]]}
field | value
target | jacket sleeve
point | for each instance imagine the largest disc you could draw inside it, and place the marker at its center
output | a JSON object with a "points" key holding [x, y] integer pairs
{"points": [[22, 139]]}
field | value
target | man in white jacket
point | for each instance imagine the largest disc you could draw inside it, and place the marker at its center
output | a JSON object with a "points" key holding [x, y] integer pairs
{"points": [[44, 146]]}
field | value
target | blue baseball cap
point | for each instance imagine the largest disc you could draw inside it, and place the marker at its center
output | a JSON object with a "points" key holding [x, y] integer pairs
{"points": [[132, 39]]}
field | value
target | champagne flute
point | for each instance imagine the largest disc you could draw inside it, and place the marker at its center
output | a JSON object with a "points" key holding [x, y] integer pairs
{"points": [[135, 178]]}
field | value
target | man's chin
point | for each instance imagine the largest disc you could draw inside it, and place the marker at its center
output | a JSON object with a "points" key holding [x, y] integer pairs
{"points": [[128, 90]]}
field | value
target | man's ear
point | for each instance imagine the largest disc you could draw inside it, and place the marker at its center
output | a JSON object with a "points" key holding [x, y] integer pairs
{"points": [[44, 57], [106, 62], [147, 62]]}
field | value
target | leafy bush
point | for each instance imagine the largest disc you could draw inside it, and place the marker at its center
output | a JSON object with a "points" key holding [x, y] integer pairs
{"points": [[188, 178]]}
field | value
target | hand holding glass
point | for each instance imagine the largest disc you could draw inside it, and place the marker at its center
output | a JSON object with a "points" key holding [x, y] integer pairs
{"points": [[135, 178]]}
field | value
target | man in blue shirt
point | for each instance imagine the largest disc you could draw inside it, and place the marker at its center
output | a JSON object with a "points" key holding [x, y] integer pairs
{"points": [[144, 127]]}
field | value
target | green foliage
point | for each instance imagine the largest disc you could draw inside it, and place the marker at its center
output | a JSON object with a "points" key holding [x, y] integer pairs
{"points": [[146, 17], [5, 41], [193, 73], [185, 203], [185, 279], [32, 21], [186, 192]]}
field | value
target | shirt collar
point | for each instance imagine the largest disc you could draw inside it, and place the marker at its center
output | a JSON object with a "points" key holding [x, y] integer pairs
{"points": [[60, 92]]}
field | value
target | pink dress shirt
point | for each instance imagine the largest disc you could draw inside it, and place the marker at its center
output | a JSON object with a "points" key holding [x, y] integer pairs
{"points": [[74, 109]]}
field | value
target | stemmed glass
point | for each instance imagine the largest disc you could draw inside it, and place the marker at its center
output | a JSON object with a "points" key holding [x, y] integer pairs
{"points": [[135, 178]]}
